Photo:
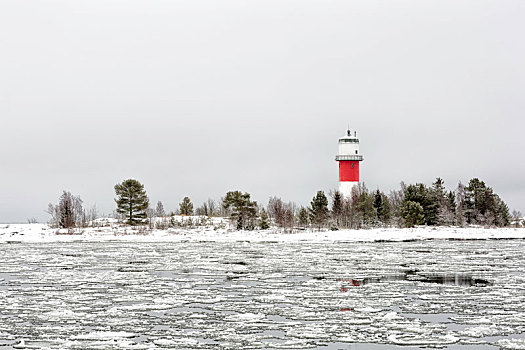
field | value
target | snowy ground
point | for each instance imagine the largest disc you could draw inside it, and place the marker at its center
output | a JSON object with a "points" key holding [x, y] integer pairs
{"points": [[218, 230], [262, 290]]}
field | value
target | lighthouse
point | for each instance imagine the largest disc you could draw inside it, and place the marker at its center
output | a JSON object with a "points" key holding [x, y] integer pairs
{"points": [[348, 158]]}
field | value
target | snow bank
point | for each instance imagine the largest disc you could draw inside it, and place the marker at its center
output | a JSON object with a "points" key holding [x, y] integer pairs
{"points": [[43, 233]]}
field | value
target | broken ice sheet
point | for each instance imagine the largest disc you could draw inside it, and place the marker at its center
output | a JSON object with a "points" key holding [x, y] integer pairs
{"points": [[227, 294]]}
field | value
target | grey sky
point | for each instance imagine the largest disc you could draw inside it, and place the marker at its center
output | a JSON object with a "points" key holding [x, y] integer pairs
{"points": [[201, 97]]}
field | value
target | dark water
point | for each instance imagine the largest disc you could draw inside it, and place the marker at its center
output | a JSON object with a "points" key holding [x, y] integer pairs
{"points": [[209, 295]]}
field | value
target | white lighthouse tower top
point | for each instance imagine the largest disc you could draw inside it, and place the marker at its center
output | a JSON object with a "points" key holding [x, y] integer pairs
{"points": [[349, 147], [348, 137]]}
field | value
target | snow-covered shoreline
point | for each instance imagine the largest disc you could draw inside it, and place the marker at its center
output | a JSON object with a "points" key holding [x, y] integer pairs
{"points": [[43, 233]]}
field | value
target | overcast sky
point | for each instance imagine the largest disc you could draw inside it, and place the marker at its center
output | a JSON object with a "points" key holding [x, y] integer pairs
{"points": [[199, 97]]}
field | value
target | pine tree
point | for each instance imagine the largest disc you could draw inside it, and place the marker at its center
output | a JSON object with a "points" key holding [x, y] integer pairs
{"points": [[263, 223], [186, 206], [446, 203], [382, 206], [425, 197], [132, 201], [319, 210], [413, 213], [483, 206], [303, 217], [502, 217], [439, 189], [159, 211], [243, 210], [337, 207]]}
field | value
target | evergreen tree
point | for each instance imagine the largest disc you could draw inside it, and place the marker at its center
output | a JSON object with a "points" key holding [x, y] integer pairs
{"points": [[446, 206], [337, 207], [451, 201], [439, 189], [243, 210], [426, 198], [413, 213], [159, 211], [382, 207], [132, 201], [264, 223], [319, 210], [502, 217], [483, 206], [186, 206], [303, 217], [65, 209]]}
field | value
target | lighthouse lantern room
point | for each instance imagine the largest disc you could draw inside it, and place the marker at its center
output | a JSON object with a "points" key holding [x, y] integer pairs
{"points": [[349, 159]]}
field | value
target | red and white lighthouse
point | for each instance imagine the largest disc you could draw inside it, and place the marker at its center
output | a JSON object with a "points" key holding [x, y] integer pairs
{"points": [[348, 158]]}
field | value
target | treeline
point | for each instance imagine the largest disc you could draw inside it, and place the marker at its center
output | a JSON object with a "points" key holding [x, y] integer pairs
{"points": [[418, 204], [411, 205]]}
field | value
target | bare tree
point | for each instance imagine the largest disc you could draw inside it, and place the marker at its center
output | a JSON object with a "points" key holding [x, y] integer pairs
{"points": [[92, 214], [276, 211], [282, 213], [52, 210], [460, 205], [289, 217], [517, 216], [151, 217], [202, 210], [212, 207], [396, 199]]}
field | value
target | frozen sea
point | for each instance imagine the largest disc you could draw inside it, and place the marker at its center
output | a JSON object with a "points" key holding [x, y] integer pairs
{"points": [[451, 294]]}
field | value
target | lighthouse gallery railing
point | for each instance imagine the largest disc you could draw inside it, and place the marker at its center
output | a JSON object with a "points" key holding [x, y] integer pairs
{"points": [[348, 157]]}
